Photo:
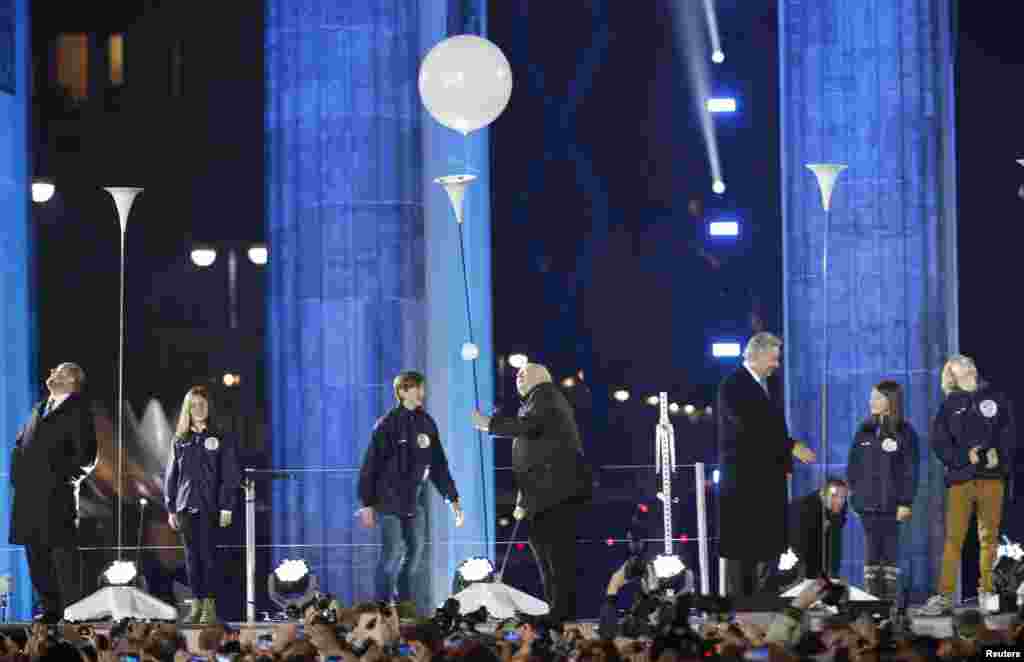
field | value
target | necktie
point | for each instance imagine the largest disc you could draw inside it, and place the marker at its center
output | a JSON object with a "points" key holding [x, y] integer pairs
{"points": [[764, 386], [47, 407]]}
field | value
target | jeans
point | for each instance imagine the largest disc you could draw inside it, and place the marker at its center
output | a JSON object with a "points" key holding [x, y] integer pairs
{"points": [[961, 499], [403, 539]]}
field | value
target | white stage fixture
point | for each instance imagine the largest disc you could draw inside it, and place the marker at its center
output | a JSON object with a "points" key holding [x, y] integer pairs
{"points": [[501, 601], [119, 602], [856, 594]]}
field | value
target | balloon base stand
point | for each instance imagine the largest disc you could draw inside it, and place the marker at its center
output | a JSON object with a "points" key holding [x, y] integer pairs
{"points": [[856, 594], [120, 602], [502, 601]]}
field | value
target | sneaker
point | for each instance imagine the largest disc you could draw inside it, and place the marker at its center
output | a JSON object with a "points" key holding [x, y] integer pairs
{"points": [[988, 602], [937, 605]]}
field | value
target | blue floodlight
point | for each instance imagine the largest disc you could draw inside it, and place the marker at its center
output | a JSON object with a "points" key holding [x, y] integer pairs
{"points": [[725, 350], [724, 228], [721, 105]]}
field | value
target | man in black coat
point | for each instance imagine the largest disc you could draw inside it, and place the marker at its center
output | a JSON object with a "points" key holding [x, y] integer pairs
{"points": [[55, 450], [755, 456], [816, 520], [552, 477]]}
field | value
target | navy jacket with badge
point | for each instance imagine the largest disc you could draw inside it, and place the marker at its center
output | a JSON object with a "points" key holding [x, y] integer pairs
{"points": [[983, 418], [202, 474], [882, 467], [404, 451]]}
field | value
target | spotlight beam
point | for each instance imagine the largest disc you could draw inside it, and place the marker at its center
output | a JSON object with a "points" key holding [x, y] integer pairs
{"points": [[718, 55], [692, 42]]}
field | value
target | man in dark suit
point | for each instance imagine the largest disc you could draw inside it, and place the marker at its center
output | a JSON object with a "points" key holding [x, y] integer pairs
{"points": [[755, 455], [55, 450], [552, 477]]}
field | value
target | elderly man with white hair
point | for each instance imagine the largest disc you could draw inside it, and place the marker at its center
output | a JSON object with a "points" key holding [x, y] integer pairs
{"points": [[553, 481], [755, 454]]}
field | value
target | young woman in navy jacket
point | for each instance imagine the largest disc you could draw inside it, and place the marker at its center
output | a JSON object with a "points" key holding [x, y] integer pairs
{"points": [[882, 473]]}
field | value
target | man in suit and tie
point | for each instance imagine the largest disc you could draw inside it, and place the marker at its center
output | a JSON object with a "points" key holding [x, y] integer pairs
{"points": [[55, 450], [756, 455]]}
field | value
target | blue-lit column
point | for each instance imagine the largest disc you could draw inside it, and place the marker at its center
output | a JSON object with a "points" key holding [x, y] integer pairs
{"points": [[346, 312], [451, 397], [364, 278], [869, 84], [17, 363]]}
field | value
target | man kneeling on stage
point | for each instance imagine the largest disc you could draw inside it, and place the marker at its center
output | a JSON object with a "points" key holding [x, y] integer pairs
{"points": [[816, 524], [405, 450]]}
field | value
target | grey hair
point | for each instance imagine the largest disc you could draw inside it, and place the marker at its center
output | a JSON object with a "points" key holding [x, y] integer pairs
{"points": [[760, 343]]}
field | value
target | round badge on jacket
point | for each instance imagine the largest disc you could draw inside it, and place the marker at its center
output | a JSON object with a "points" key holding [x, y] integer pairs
{"points": [[988, 408], [212, 443], [889, 445], [423, 440]]}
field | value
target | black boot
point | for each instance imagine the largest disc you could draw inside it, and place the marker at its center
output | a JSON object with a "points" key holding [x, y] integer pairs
{"points": [[872, 580], [890, 583]]}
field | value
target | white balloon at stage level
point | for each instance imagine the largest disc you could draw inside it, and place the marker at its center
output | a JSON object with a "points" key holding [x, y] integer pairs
{"points": [[465, 82]]}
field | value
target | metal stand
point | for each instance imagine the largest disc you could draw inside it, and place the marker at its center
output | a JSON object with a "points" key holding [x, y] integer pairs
{"points": [[665, 464], [249, 485], [702, 529], [121, 601]]}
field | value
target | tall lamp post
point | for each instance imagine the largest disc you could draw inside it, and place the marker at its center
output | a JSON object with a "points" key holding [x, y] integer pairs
{"points": [[120, 598], [826, 174]]}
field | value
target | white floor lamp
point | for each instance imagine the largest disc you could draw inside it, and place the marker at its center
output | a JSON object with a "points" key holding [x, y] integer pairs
{"points": [[120, 601], [826, 175]]}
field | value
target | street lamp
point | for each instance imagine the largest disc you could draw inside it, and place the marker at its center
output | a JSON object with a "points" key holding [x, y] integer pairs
{"points": [[258, 254], [204, 256], [42, 190]]}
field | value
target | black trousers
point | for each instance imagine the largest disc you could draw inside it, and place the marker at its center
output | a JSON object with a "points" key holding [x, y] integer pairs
{"points": [[553, 541], [746, 578], [881, 538], [199, 536], [54, 572]]}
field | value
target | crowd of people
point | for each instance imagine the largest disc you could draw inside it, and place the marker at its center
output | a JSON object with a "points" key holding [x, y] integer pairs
{"points": [[685, 628]]}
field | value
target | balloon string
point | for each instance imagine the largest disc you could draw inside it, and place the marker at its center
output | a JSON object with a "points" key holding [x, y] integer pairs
{"points": [[476, 383]]}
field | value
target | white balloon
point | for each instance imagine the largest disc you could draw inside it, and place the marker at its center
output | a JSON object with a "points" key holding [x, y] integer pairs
{"points": [[470, 351], [465, 82]]}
